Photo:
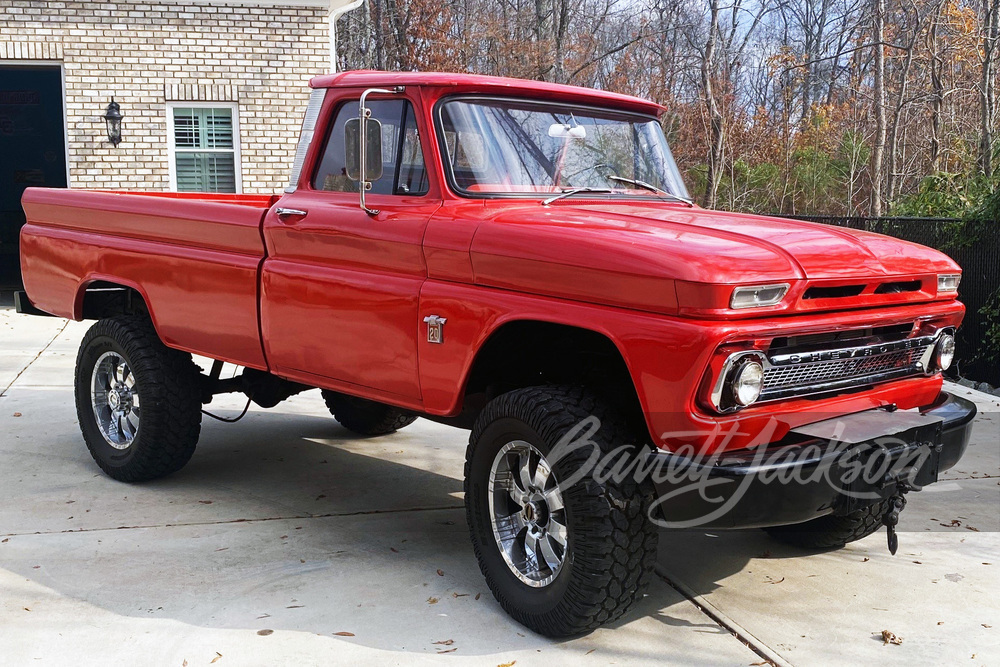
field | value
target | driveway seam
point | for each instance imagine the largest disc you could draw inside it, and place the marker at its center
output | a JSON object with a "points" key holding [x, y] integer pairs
{"points": [[40, 353], [734, 628], [234, 521]]}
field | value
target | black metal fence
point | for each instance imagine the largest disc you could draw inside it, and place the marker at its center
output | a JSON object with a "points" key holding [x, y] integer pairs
{"points": [[977, 251]]}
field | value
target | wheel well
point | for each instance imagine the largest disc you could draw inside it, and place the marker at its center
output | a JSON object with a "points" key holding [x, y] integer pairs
{"points": [[531, 353], [102, 299]]}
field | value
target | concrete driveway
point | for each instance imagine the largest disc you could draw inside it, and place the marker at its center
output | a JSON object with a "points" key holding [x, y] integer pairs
{"points": [[288, 540]]}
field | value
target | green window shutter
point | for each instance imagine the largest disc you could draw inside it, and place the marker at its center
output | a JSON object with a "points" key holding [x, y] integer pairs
{"points": [[204, 150]]}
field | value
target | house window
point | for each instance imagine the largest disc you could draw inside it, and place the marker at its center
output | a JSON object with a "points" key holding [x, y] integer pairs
{"points": [[204, 147]]}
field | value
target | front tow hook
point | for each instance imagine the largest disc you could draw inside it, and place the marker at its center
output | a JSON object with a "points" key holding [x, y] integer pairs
{"points": [[891, 517]]}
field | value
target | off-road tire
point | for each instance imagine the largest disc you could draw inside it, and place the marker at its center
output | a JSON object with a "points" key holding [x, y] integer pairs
{"points": [[166, 382], [366, 417], [833, 532], [611, 542]]}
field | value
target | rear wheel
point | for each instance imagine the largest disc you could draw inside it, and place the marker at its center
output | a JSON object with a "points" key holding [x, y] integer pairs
{"points": [[562, 556], [366, 417], [137, 400], [833, 532]]}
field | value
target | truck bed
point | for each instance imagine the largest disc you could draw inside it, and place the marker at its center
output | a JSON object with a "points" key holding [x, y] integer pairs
{"points": [[194, 257]]}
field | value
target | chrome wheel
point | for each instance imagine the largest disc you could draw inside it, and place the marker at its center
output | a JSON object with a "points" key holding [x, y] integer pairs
{"points": [[115, 399], [527, 513]]}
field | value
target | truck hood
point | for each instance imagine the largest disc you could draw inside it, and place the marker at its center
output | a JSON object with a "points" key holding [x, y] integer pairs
{"points": [[604, 251]]}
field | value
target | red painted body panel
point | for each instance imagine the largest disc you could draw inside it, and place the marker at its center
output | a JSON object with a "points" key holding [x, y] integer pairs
{"points": [[342, 295], [336, 278], [195, 260], [666, 356]]}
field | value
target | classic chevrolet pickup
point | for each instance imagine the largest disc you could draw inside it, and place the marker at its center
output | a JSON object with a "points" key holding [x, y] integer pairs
{"points": [[521, 259]]}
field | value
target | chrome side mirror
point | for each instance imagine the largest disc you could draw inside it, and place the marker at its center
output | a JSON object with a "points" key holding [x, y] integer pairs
{"points": [[369, 153], [363, 146]]}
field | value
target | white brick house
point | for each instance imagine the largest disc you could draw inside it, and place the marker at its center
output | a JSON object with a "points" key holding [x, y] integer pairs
{"points": [[212, 93]]}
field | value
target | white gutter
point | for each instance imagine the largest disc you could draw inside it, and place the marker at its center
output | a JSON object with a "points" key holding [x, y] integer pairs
{"points": [[337, 9]]}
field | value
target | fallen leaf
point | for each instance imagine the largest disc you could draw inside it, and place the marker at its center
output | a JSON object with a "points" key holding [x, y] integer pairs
{"points": [[451, 650], [295, 606], [508, 664], [216, 658], [283, 537], [394, 550], [446, 642], [440, 573], [890, 638], [5, 540], [972, 529], [432, 600], [184, 664], [26, 609], [940, 622], [590, 651], [477, 597], [772, 581], [918, 562], [205, 502], [321, 496], [344, 633], [265, 633], [35, 567], [302, 560], [865, 560], [17, 414], [459, 595], [986, 626]]}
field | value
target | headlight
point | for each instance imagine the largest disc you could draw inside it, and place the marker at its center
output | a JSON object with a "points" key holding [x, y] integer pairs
{"points": [[756, 296], [944, 353], [948, 282], [748, 382]]}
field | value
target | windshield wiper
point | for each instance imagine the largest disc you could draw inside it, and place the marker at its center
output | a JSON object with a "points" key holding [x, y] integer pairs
{"points": [[575, 191], [649, 186]]}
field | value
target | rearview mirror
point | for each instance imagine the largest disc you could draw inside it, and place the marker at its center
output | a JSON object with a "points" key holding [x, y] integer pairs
{"points": [[564, 131], [370, 153]]}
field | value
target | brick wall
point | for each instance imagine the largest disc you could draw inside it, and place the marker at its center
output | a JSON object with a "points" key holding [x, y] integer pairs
{"points": [[146, 54]]}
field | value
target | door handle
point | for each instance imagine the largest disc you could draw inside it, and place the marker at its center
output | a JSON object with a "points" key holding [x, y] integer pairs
{"points": [[287, 212]]}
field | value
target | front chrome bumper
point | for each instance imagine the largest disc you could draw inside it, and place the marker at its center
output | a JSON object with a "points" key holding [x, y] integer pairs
{"points": [[801, 478]]}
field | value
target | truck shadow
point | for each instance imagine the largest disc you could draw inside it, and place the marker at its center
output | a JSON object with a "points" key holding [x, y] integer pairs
{"points": [[285, 522]]}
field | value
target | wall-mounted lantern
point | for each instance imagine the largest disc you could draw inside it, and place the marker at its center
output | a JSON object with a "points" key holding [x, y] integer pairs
{"points": [[113, 118]]}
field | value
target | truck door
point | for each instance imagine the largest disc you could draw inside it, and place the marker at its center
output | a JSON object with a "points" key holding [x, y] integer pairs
{"points": [[340, 287]]}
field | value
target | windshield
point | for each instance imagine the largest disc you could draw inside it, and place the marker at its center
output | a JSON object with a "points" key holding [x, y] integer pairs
{"points": [[522, 148]]}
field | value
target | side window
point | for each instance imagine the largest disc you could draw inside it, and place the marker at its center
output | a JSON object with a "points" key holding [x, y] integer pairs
{"points": [[403, 170]]}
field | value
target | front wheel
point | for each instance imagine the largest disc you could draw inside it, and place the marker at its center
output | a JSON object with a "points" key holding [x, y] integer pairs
{"points": [[561, 555], [138, 401]]}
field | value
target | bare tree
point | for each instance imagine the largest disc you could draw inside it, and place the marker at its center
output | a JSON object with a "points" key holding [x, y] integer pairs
{"points": [[987, 84], [878, 151]]}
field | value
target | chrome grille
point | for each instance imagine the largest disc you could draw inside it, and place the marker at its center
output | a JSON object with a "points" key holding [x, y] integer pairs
{"points": [[804, 373], [826, 371]]}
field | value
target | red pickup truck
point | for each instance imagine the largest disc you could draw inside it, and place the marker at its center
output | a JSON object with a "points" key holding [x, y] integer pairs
{"points": [[521, 259]]}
